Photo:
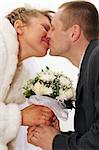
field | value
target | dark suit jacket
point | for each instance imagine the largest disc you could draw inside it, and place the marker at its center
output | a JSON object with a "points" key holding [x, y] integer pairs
{"points": [[86, 121]]}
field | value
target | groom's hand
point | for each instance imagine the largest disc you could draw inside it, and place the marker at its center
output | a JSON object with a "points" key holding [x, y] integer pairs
{"points": [[36, 115], [42, 136]]}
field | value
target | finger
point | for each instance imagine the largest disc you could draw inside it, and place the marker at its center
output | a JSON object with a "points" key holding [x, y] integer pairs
{"points": [[50, 115], [33, 134], [39, 130], [30, 129], [54, 118], [47, 109], [33, 140], [39, 127], [29, 136], [46, 117], [56, 125], [44, 122]]}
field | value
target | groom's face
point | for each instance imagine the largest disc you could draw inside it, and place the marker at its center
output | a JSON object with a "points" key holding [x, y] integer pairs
{"points": [[59, 38]]}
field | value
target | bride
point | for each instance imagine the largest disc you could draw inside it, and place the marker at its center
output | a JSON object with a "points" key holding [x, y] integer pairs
{"points": [[22, 35]]}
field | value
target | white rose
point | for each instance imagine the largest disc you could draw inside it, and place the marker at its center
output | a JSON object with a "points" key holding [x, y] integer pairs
{"points": [[65, 81], [47, 91], [47, 77], [37, 88], [40, 89], [66, 94]]}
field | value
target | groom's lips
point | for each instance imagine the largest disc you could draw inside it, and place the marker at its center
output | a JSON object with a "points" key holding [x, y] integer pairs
{"points": [[50, 45]]}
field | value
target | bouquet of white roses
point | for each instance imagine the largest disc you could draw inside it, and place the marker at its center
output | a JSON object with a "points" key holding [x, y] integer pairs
{"points": [[56, 86]]}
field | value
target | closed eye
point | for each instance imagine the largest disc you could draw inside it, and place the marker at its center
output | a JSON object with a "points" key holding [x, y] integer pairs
{"points": [[46, 27]]}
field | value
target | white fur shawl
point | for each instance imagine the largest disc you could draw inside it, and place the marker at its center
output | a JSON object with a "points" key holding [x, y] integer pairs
{"points": [[8, 56], [9, 114]]}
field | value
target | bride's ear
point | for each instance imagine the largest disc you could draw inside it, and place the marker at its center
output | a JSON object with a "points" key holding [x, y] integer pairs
{"points": [[18, 25]]}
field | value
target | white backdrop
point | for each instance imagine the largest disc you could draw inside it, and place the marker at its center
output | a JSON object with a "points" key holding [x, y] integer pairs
{"points": [[56, 63], [6, 5]]}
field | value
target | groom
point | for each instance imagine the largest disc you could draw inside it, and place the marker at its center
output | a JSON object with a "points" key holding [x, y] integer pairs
{"points": [[74, 35]]}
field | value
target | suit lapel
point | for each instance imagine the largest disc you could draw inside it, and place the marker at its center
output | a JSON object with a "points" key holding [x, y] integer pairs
{"points": [[83, 68]]}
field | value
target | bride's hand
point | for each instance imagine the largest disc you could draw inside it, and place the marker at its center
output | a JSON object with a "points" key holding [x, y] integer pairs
{"points": [[36, 115]]}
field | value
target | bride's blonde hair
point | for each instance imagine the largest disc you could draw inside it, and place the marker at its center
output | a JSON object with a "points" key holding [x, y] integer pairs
{"points": [[24, 14]]}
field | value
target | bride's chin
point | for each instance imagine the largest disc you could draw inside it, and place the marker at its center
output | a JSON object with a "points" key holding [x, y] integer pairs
{"points": [[42, 54]]}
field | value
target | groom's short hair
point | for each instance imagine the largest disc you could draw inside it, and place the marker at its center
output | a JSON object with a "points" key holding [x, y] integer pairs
{"points": [[82, 13]]}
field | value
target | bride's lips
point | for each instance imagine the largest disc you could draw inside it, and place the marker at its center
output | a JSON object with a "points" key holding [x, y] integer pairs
{"points": [[46, 42]]}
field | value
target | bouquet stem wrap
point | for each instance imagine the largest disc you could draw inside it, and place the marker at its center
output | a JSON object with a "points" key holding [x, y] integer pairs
{"points": [[56, 106]]}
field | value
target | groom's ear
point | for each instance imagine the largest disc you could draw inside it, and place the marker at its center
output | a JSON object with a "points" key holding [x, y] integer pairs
{"points": [[18, 25], [75, 32]]}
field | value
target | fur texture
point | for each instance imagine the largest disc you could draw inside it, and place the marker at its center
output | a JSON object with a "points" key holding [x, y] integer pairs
{"points": [[10, 117]]}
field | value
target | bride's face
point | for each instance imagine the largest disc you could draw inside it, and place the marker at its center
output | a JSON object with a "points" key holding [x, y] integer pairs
{"points": [[33, 40]]}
